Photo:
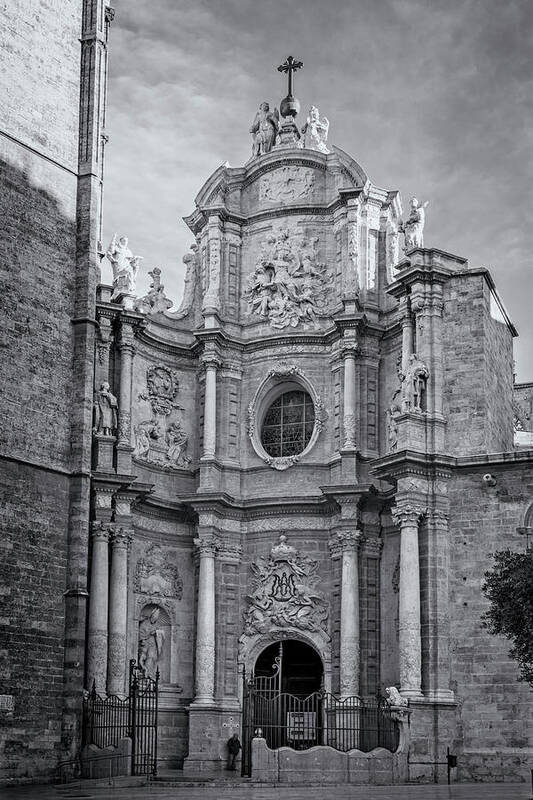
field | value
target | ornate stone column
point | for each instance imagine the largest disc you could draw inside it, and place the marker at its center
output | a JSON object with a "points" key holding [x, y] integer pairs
{"points": [[407, 517], [205, 623], [118, 609], [350, 400], [407, 332], [346, 544], [103, 344], [98, 609], [436, 641], [127, 351], [210, 407]]}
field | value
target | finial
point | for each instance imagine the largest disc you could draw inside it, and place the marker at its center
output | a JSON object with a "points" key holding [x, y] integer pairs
{"points": [[290, 106]]}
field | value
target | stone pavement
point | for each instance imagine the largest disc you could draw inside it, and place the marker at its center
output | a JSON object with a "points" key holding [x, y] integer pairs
{"points": [[246, 791]]}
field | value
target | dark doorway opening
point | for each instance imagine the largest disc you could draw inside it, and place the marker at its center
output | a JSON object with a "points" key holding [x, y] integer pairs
{"points": [[300, 667]]}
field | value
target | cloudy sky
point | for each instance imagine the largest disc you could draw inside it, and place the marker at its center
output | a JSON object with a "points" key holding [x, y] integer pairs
{"points": [[432, 97]]}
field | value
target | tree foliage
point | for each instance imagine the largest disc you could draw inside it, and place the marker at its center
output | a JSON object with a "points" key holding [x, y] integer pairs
{"points": [[509, 588]]}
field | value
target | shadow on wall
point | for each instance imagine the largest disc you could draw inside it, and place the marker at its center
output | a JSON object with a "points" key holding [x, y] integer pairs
{"points": [[37, 274]]}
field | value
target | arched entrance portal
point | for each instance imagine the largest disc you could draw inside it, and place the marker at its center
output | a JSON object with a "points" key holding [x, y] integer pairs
{"points": [[290, 666]]}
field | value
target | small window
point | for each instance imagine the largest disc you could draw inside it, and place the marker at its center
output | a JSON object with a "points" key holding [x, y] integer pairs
{"points": [[288, 425]]}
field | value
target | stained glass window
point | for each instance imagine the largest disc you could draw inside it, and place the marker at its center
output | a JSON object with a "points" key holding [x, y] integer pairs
{"points": [[288, 424]]}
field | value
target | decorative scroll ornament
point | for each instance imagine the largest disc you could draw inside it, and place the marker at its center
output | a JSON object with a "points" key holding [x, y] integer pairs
{"points": [[284, 593], [289, 284], [286, 183], [155, 576]]}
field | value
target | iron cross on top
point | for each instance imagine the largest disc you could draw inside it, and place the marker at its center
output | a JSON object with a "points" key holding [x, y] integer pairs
{"points": [[290, 66]]}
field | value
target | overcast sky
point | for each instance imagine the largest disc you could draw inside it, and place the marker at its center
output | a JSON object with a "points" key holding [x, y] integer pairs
{"points": [[432, 97]]}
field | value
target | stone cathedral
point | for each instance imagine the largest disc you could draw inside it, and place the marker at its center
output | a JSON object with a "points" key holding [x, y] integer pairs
{"points": [[313, 456]]}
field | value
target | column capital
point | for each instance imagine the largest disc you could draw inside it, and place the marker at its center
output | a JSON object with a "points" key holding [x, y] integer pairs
{"points": [[349, 349], [101, 531], [406, 514], [437, 516], [207, 546], [229, 552], [344, 541], [121, 538], [372, 546], [210, 360]]}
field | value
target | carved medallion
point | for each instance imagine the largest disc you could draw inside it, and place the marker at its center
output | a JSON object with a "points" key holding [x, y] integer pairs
{"points": [[287, 183], [284, 593]]}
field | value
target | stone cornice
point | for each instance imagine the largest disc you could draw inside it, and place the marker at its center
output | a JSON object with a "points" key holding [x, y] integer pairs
{"points": [[225, 505], [157, 507], [411, 462]]}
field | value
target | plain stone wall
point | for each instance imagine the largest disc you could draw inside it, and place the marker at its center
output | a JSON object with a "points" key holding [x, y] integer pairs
{"points": [[494, 729], [39, 85]]}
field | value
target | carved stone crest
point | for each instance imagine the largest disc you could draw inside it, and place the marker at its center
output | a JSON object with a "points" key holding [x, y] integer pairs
{"points": [[287, 183], [155, 576], [284, 593], [162, 385], [289, 284]]}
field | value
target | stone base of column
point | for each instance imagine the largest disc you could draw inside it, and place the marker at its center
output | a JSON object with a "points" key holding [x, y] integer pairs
{"points": [[349, 465], [210, 727], [416, 694], [103, 450], [210, 474], [124, 452], [413, 431]]}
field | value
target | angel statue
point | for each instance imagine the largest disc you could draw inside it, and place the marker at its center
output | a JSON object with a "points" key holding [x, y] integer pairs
{"points": [[315, 131], [264, 130], [125, 267], [413, 228]]}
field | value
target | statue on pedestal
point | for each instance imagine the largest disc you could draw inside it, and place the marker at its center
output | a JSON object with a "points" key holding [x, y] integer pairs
{"points": [[264, 130], [125, 267], [156, 299], [315, 131], [413, 228], [105, 406]]}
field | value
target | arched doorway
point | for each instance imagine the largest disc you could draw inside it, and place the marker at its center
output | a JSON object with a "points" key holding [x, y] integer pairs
{"points": [[290, 666]]}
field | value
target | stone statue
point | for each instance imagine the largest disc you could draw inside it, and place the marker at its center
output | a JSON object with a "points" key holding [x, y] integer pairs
{"points": [[156, 299], [413, 228], [264, 130], [105, 406], [415, 384], [151, 640], [125, 267], [394, 698], [177, 441], [315, 131]]}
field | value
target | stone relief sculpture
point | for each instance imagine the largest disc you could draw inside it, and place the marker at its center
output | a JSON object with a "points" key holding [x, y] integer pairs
{"points": [[125, 267], [152, 635], [315, 131], [155, 574], [394, 698], [166, 448], [177, 441], [264, 130], [105, 407], [415, 385], [286, 183], [284, 593], [413, 228], [289, 285], [156, 299]]}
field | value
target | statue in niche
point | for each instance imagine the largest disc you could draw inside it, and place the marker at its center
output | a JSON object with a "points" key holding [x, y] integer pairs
{"points": [[125, 267], [415, 384], [156, 299], [151, 640], [264, 130], [105, 406], [315, 131], [413, 228], [177, 441]]}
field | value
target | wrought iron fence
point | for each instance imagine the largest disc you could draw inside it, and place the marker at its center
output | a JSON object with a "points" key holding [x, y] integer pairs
{"points": [[107, 720], [286, 720]]}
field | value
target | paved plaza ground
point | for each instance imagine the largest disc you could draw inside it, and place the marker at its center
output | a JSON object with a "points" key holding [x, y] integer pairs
{"points": [[243, 791]]}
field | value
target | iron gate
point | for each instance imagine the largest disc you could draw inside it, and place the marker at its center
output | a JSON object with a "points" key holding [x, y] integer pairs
{"points": [[321, 718], [107, 720]]}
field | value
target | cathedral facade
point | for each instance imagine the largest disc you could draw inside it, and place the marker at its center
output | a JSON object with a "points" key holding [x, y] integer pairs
{"points": [[311, 459]]}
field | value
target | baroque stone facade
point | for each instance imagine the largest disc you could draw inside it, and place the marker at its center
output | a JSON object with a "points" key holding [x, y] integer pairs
{"points": [[296, 455]]}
